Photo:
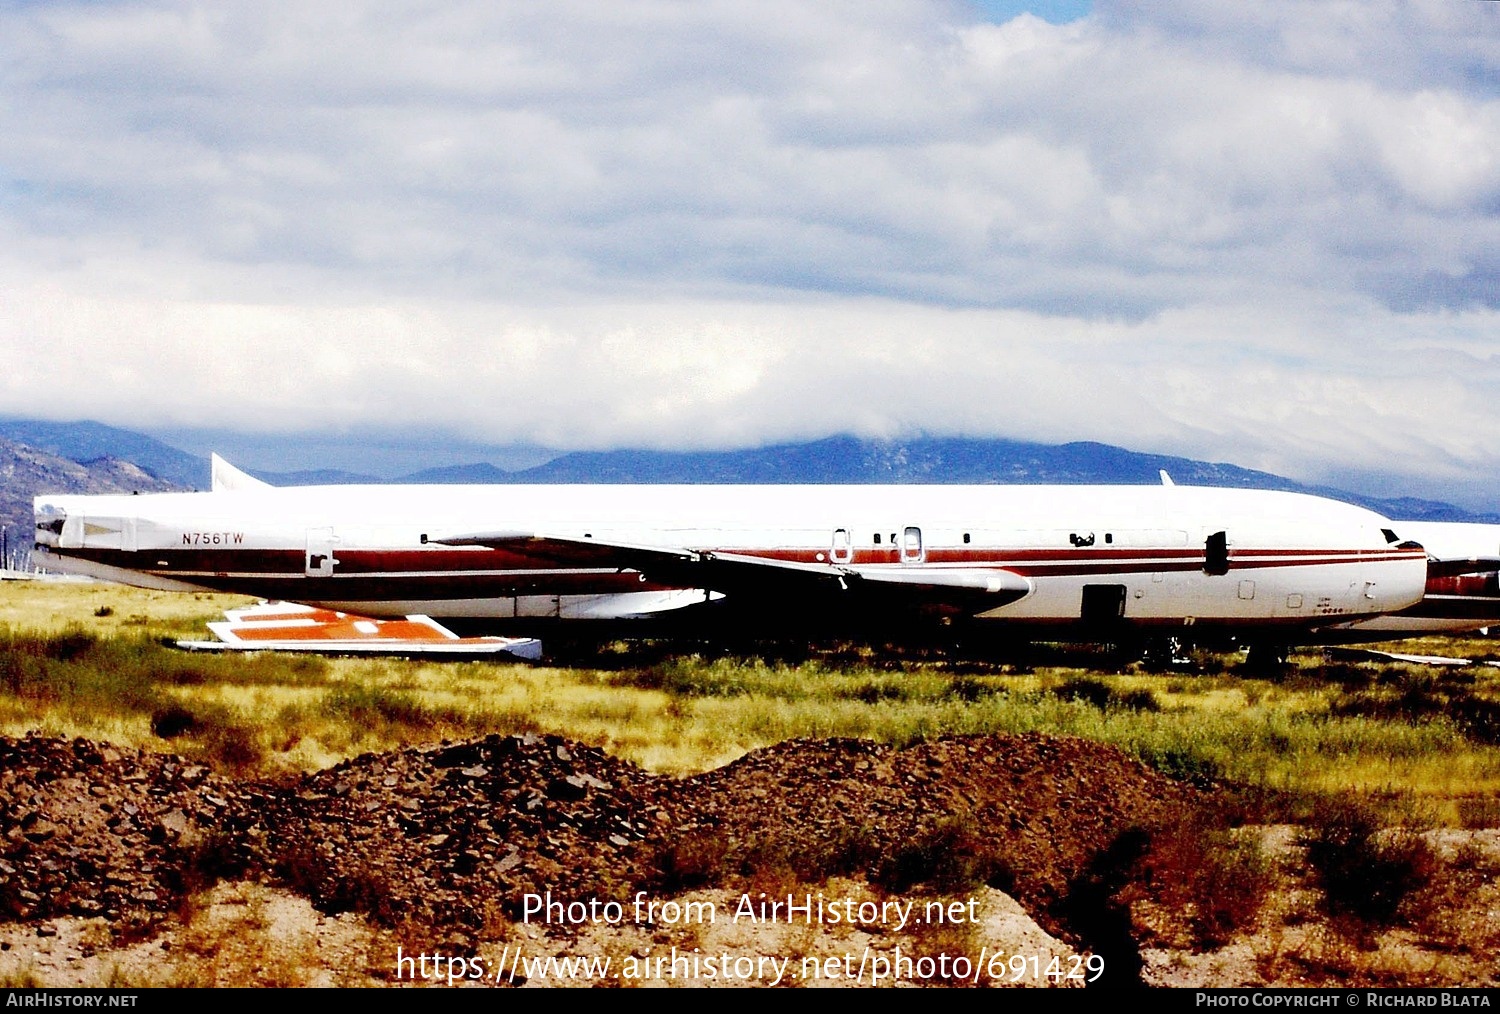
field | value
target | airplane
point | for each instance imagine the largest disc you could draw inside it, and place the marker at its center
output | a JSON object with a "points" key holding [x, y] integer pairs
{"points": [[1463, 586], [1093, 563]]}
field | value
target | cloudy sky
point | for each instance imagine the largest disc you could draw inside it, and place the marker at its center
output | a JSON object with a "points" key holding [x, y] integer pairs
{"points": [[1262, 233]]}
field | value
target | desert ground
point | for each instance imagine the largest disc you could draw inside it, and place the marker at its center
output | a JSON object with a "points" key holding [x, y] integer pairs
{"points": [[841, 818]]}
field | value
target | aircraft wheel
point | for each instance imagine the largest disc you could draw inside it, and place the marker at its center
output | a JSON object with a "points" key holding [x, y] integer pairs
{"points": [[1265, 658]]}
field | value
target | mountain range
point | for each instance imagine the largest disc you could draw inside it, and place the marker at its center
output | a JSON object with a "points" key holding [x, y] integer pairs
{"points": [[26, 471], [89, 457]]}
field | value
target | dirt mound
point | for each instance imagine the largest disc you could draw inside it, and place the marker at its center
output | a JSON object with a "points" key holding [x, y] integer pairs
{"points": [[453, 834], [1025, 813], [448, 836], [90, 829]]}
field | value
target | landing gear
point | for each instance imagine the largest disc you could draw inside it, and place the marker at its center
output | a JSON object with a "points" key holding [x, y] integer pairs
{"points": [[1161, 653], [1264, 658]]}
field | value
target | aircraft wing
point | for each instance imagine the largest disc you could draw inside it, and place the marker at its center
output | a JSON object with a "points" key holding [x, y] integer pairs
{"points": [[1455, 548], [1459, 566], [741, 573], [286, 626], [583, 552]]}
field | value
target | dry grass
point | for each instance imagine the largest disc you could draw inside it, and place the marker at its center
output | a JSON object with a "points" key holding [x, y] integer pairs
{"points": [[54, 605], [1394, 735], [80, 659], [239, 934]]}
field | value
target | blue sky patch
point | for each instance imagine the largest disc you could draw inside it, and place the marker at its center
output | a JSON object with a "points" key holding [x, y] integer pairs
{"points": [[1058, 12]]}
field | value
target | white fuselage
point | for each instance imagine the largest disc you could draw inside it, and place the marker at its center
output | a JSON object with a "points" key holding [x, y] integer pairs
{"points": [[1142, 556], [1463, 588]]}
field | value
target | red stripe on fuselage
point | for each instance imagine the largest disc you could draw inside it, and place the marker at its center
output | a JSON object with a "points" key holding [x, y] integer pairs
{"points": [[462, 572]]}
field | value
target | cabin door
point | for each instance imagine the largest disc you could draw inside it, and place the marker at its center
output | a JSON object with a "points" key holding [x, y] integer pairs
{"points": [[911, 545], [1103, 605], [842, 549], [320, 560]]}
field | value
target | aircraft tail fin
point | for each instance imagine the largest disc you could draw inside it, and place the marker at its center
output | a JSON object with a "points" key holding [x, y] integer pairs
{"points": [[227, 478]]}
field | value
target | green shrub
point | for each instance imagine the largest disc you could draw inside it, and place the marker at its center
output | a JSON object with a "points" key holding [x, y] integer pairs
{"points": [[1184, 764], [699, 859], [366, 705], [967, 688], [1367, 873], [1089, 691], [952, 855], [1104, 697], [172, 721], [1212, 878]]}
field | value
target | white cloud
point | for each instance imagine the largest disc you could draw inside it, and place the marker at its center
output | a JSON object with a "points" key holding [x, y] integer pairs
{"points": [[1259, 232]]}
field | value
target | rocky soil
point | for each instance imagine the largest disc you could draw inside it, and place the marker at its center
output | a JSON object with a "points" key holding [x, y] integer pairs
{"points": [[440, 846]]}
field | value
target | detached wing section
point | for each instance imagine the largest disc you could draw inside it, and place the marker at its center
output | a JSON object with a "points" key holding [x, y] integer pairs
{"points": [[748, 575], [286, 626]]}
